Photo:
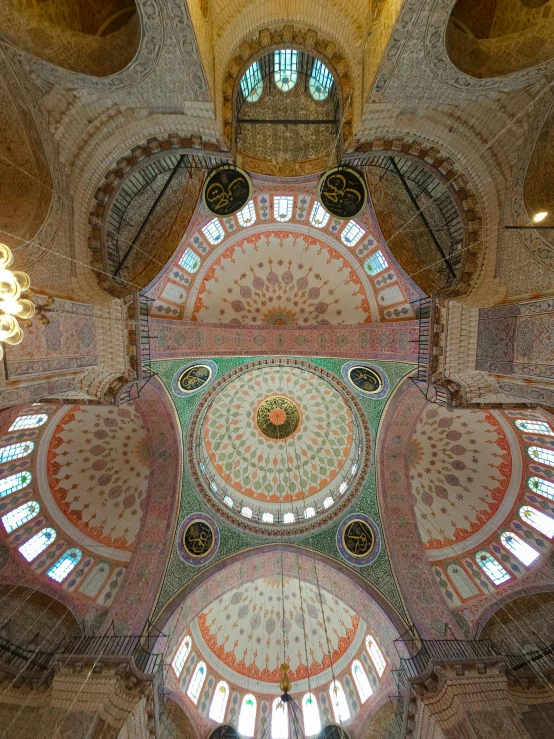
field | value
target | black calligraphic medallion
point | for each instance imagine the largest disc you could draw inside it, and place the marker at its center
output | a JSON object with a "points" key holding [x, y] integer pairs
{"points": [[198, 539], [365, 379], [342, 192], [194, 378], [224, 732], [227, 190], [358, 538], [332, 731]]}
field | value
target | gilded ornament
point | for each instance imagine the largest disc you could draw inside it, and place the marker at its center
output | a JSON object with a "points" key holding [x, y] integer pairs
{"points": [[198, 539], [358, 538], [277, 417]]}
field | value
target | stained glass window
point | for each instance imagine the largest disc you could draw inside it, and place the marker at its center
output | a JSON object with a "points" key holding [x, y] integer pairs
{"points": [[309, 512], [213, 231], [376, 654], [246, 511], [288, 517], [61, 569], [251, 83], [20, 515], [351, 233], [535, 427], [279, 720], [282, 207], [181, 655], [338, 701], [267, 517], [286, 68], [321, 80], [37, 544], [312, 719], [540, 486], [190, 261], [219, 702], [319, 216], [28, 422], [361, 680], [14, 482], [539, 521], [247, 216], [540, 454], [247, 716], [15, 451], [519, 548], [491, 567], [375, 263], [196, 682]]}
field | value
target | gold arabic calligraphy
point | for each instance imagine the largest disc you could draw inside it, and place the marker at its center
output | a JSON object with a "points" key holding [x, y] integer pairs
{"points": [[358, 538], [220, 194], [337, 191], [198, 539]]}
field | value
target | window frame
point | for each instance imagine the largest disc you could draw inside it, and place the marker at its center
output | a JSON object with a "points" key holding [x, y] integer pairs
{"points": [[497, 579], [251, 210], [7, 488], [189, 252], [211, 226], [46, 531], [378, 254], [185, 647], [253, 76], [16, 426], [352, 225], [76, 558], [11, 521], [201, 670], [220, 717], [316, 209], [281, 59], [289, 202], [245, 730]]}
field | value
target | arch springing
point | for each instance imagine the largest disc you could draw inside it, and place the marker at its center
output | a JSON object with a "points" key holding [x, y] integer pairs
{"points": [[219, 702], [61, 569], [362, 681], [518, 548], [538, 520], [310, 711], [37, 544], [13, 519], [181, 655], [247, 716]]}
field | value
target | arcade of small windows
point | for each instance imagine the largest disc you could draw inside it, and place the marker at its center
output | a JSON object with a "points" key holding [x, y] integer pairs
{"points": [[190, 261], [285, 62], [319, 216], [28, 422], [213, 231], [282, 207], [491, 567], [321, 80], [247, 216], [285, 76], [375, 263], [351, 233], [252, 84], [279, 713]]}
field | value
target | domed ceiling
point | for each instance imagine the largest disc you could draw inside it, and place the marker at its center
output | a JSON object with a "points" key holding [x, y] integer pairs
{"points": [[250, 631], [460, 467], [276, 441]]}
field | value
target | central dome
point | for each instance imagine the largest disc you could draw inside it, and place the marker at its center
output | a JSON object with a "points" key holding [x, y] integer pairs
{"points": [[277, 444]]}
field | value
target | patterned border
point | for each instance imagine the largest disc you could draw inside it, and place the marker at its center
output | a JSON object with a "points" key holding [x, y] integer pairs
{"points": [[175, 382], [345, 370], [197, 561], [359, 561]]}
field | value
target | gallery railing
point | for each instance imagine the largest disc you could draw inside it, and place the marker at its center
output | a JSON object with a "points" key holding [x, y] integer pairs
{"points": [[422, 380]]}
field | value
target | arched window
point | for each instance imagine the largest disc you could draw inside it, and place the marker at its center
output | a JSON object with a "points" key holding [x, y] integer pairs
{"points": [[540, 454], [251, 83], [37, 544], [375, 263], [538, 520], [228, 500], [376, 654], [181, 655], [279, 720], [20, 515], [28, 422], [15, 451], [286, 68], [247, 216], [14, 482], [328, 502], [213, 231], [288, 517], [338, 700], [312, 719], [190, 261], [319, 216], [196, 682], [519, 548], [535, 427], [361, 680], [282, 207], [246, 512], [321, 80], [219, 702], [491, 567], [351, 233], [61, 569], [267, 517], [247, 716], [309, 512], [542, 487]]}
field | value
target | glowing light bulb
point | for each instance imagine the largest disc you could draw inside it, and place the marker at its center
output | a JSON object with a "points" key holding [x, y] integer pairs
{"points": [[8, 327], [21, 308], [9, 286], [15, 338], [540, 216], [6, 256], [23, 280]]}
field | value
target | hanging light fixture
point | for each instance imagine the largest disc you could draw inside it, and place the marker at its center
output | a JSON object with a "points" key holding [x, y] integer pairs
{"points": [[13, 307]]}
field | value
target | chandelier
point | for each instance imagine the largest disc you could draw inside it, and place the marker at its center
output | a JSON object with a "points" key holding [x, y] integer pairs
{"points": [[13, 307]]}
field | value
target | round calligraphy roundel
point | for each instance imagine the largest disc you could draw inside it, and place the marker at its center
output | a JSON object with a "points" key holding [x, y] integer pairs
{"points": [[358, 539], [343, 192], [198, 539], [368, 379], [194, 377], [227, 190]]}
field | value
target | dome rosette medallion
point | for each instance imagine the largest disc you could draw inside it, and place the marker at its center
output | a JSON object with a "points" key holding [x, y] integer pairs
{"points": [[277, 446]]}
